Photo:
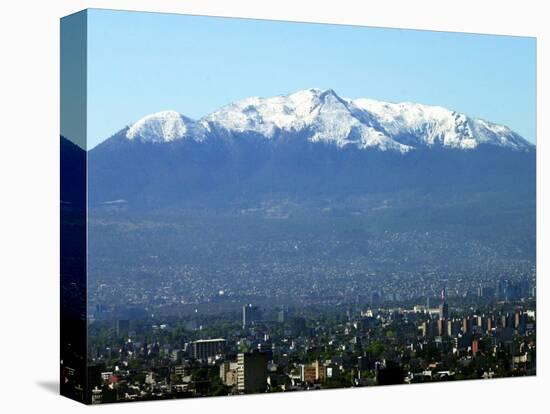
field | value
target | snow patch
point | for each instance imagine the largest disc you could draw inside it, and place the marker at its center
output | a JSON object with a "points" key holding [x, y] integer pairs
{"points": [[165, 126]]}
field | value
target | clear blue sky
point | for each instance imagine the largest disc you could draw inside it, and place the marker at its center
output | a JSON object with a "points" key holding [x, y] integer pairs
{"points": [[139, 63]]}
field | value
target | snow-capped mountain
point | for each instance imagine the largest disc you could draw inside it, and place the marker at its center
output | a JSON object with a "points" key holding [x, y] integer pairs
{"points": [[311, 144], [164, 127], [324, 117]]}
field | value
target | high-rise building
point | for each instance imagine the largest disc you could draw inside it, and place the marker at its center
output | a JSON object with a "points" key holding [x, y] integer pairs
{"points": [[517, 319], [441, 327], [313, 373], [490, 324], [427, 329], [205, 348], [252, 372], [479, 320], [443, 311], [475, 347], [228, 373], [251, 315], [501, 288], [282, 315], [510, 320], [452, 328], [298, 326], [503, 321], [122, 327], [97, 397], [466, 325]]}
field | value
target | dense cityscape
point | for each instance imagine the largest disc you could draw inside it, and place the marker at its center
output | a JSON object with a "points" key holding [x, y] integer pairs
{"points": [[488, 333], [174, 265], [201, 305]]}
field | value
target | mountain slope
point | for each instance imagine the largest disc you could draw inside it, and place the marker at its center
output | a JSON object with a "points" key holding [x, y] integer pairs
{"points": [[311, 144]]}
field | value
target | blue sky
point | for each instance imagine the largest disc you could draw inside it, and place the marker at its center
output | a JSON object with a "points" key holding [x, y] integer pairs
{"points": [[140, 63]]}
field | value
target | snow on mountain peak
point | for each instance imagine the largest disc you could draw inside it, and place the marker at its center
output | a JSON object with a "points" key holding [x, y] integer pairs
{"points": [[426, 125], [165, 126], [320, 115]]}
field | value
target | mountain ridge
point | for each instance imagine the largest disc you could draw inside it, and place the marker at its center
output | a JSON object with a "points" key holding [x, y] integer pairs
{"points": [[321, 116], [311, 145]]}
